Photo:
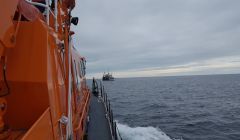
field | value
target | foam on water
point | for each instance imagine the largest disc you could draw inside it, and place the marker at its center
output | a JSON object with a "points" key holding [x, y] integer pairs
{"points": [[141, 133]]}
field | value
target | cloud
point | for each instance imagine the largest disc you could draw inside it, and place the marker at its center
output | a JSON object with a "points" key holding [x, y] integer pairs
{"points": [[214, 66], [129, 35]]}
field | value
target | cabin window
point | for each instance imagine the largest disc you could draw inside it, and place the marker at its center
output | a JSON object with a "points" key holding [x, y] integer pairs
{"points": [[82, 70], [79, 68], [84, 67], [75, 70]]}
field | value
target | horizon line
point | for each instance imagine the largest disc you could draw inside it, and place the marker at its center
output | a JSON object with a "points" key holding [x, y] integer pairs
{"points": [[170, 76]]}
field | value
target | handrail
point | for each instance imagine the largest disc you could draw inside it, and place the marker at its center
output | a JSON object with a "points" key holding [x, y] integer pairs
{"points": [[84, 111], [56, 14], [42, 5], [118, 133], [48, 9], [69, 125], [112, 124], [37, 3]]}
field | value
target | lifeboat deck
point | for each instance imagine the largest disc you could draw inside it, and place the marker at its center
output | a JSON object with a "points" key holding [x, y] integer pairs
{"points": [[98, 127]]}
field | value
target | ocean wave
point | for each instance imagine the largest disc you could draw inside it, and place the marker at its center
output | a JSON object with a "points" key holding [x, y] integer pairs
{"points": [[141, 133]]}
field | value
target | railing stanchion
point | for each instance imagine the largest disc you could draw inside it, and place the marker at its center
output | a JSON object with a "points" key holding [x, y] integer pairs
{"points": [[55, 15]]}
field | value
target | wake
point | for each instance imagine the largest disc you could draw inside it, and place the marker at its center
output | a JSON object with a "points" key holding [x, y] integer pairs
{"points": [[141, 133]]}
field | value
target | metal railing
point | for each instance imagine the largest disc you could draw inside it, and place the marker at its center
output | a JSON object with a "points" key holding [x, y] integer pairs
{"points": [[69, 125], [109, 113], [48, 10]]}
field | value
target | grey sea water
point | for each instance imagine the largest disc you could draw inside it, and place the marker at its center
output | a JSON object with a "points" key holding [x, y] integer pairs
{"points": [[184, 107]]}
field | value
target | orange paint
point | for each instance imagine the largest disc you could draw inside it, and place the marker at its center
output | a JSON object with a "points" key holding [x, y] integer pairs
{"points": [[35, 69]]}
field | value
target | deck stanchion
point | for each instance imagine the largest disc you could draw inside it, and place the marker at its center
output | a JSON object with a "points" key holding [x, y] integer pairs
{"points": [[109, 113], [112, 123], [109, 107], [103, 95], [106, 98], [115, 131], [101, 89], [111, 116]]}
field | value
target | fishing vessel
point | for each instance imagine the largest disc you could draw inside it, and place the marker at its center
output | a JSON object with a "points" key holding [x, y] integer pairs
{"points": [[107, 77], [43, 90]]}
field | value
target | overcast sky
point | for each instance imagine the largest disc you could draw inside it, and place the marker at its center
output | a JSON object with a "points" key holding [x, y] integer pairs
{"points": [[158, 38]]}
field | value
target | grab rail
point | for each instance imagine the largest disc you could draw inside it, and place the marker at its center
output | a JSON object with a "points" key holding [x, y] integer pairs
{"points": [[48, 10], [69, 114], [118, 133], [103, 96]]}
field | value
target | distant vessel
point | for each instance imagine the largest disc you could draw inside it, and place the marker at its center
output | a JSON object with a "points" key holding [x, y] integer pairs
{"points": [[107, 77]]}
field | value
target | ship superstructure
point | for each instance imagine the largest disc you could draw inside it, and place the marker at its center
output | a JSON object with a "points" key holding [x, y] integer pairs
{"points": [[43, 91], [107, 77]]}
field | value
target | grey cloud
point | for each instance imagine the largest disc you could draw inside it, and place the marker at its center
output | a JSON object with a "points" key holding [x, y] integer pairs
{"points": [[137, 34]]}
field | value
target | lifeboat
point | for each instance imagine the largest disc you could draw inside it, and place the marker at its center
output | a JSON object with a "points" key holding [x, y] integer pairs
{"points": [[43, 90]]}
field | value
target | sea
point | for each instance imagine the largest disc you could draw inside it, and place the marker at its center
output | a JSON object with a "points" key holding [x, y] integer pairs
{"points": [[177, 108]]}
